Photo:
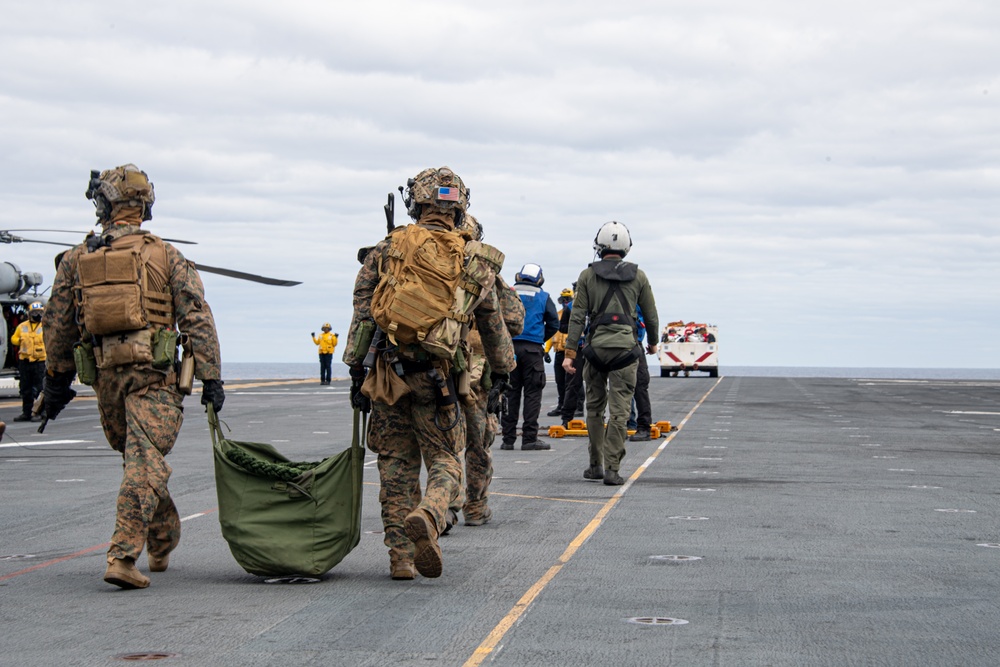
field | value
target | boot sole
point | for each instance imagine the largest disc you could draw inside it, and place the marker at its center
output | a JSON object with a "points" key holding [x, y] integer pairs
{"points": [[403, 573], [126, 583], [427, 553], [159, 564], [480, 520]]}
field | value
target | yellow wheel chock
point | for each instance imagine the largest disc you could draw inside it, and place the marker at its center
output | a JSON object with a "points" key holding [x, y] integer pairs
{"points": [[578, 427]]}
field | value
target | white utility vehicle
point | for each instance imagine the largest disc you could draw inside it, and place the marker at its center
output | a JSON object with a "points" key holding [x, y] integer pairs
{"points": [[686, 347]]}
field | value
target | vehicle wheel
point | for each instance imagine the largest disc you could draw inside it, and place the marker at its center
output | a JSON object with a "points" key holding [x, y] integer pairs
{"points": [[664, 373], [714, 373]]}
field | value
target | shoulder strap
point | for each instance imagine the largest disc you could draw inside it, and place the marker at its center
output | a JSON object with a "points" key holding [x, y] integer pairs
{"points": [[604, 317]]}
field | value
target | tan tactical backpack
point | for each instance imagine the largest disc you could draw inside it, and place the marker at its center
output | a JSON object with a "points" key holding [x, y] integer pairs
{"points": [[431, 281]]}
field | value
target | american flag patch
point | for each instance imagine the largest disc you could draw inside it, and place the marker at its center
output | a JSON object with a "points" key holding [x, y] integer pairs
{"points": [[447, 194]]}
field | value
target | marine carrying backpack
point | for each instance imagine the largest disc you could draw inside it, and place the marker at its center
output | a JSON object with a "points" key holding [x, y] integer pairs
{"points": [[430, 282]]}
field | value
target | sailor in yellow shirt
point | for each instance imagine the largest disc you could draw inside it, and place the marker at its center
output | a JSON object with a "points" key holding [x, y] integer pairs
{"points": [[558, 344], [31, 358], [327, 344]]}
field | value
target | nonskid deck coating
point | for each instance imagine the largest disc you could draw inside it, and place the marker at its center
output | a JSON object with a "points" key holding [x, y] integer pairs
{"points": [[823, 521]]}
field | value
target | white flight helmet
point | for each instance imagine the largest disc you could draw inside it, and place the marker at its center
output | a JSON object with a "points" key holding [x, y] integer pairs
{"points": [[612, 237]]}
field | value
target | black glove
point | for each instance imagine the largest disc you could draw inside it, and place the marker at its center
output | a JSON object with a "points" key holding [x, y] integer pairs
{"points": [[358, 400], [58, 392], [212, 392], [498, 393], [313, 334], [548, 358]]}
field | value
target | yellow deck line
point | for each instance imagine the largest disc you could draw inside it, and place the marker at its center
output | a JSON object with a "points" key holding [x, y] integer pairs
{"points": [[507, 622]]}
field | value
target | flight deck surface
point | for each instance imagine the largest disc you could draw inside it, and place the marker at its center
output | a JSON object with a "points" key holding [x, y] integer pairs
{"points": [[788, 521]]}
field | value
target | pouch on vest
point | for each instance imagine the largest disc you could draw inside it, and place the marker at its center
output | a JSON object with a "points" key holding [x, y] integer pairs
{"points": [[86, 363], [27, 347], [363, 340], [164, 348], [133, 347], [111, 299], [383, 385]]}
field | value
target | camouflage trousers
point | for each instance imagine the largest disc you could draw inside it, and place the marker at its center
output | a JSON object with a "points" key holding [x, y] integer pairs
{"points": [[613, 389], [481, 429], [141, 421], [402, 435]]}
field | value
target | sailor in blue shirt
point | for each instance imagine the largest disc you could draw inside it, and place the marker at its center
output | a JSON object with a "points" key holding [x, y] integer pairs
{"points": [[540, 324]]}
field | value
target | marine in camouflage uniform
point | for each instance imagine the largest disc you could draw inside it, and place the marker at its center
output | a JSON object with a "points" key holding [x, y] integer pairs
{"points": [[140, 407], [404, 433], [481, 426]]}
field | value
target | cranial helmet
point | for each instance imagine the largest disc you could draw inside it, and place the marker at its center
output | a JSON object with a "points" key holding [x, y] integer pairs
{"points": [[531, 274], [439, 187], [567, 293], [35, 311], [470, 224], [126, 186], [613, 238], [326, 326]]}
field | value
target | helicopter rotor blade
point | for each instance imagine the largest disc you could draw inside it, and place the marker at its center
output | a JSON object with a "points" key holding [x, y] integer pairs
{"points": [[232, 273], [58, 231], [6, 234], [5, 237]]}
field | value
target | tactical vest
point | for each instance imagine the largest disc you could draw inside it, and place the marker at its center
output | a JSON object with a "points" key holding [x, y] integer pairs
{"points": [[122, 294], [430, 282]]}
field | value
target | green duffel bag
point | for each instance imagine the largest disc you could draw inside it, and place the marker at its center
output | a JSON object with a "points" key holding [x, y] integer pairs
{"points": [[288, 518]]}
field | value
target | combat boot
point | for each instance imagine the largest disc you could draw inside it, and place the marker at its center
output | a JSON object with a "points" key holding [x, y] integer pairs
{"points": [[123, 573], [537, 444], [507, 445], [640, 435], [450, 519], [422, 531], [158, 563], [402, 569], [594, 472], [479, 519], [612, 478], [22, 418], [554, 412]]}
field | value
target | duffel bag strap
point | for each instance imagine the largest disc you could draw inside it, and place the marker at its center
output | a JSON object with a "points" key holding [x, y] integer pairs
{"points": [[214, 426]]}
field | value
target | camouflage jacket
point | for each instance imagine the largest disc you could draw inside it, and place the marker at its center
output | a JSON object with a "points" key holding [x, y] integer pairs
{"points": [[192, 313], [497, 345]]}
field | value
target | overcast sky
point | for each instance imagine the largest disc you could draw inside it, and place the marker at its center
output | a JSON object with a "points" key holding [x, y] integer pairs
{"points": [[819, 179]]}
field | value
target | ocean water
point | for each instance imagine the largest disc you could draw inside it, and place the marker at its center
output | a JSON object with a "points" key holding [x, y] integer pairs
{"points": [[284, 371]]}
